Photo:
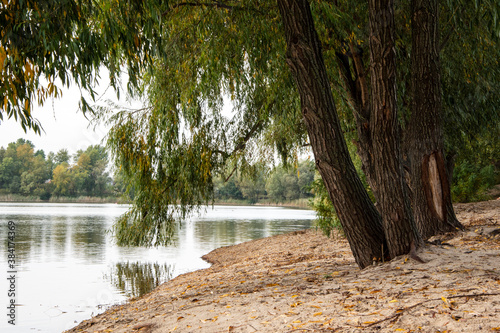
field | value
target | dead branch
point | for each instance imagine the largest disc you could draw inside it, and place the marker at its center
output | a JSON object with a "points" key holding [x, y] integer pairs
{"points": [[401, 311]]}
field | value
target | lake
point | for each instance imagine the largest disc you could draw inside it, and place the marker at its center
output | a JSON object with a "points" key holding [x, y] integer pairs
{"points": [[68, 268]]}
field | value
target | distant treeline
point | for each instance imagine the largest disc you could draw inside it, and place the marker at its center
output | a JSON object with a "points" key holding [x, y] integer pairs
{"points": [[273, 185], [32, 174], [29, 172]]}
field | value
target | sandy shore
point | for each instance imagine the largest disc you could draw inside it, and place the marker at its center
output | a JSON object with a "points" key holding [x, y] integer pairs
{"points": [[305, 282]]}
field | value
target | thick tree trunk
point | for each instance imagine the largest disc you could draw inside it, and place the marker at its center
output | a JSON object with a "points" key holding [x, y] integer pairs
{"points": [[431, 199], [359, 97], [391, 193], [359, 218]]}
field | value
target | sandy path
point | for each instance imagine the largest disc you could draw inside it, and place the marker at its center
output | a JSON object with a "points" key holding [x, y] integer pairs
{"points": [[305, 282]]}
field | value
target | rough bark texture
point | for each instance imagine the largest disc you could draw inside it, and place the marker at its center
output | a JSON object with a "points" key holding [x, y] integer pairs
{"points": [[391, 193], [356, 85], [431, 198], [359, 218]]}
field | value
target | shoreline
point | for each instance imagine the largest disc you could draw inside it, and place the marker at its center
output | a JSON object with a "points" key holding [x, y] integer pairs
{"points": [[20, 199], [97, 200], [303, 281]]}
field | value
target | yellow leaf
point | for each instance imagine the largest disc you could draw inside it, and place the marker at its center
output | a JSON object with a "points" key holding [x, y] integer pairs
{"points": [[393, 301], [296, 321], [3, 56], [317, 314], [27, 105]]}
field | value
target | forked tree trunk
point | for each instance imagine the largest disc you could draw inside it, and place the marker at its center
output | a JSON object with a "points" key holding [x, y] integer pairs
{"points": [[359, 218], [431, 199], [391, 193]]}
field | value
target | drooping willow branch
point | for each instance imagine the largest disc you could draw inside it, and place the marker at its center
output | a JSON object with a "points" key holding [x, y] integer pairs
{"points": [[212, 4]]}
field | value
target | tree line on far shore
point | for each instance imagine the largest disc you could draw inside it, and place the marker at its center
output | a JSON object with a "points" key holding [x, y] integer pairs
{"points": [[26, 171]]}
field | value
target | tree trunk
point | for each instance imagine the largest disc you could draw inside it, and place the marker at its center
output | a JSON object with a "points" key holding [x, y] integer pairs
{"points": [[359, 218], [431, 199], [359, 97], [391, 193]]}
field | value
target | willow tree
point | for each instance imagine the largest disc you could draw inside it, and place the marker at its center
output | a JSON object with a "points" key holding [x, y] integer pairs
{"points": [[191, 56], [49, 44]]}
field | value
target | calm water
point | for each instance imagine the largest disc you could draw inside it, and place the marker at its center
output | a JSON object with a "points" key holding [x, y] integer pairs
{"points": [[68, 267]]}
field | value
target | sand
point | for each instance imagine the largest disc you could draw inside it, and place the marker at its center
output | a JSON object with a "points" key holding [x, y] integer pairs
{"points": [[306, 282]]}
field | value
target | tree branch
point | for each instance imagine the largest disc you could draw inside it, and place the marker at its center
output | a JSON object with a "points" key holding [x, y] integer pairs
{"points": [[212, 4], [240, 146], [361, 78], [401, 311]]}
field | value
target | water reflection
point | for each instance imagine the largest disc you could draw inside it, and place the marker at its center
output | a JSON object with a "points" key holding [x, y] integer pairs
{"points": [[88, 236], [137, 278], [67, 260]]}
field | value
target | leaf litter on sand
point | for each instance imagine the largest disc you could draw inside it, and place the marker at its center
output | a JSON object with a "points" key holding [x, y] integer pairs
{"points": [[302, 281]]}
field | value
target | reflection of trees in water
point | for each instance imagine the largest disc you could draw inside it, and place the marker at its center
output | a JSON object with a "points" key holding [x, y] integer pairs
{"points": [[38, 234], [136, 278], [235, 231], [89, 238]]}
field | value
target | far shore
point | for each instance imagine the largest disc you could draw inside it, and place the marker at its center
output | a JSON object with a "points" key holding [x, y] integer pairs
{"points": [[296, 204]]}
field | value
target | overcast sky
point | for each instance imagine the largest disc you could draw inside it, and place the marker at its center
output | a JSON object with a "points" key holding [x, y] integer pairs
{"points": [[65, 127]]}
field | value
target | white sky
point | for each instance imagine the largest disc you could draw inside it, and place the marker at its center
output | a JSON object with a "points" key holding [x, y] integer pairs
{"points": [[65, 127]]}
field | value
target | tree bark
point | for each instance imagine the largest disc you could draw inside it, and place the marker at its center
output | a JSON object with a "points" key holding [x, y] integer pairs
{"points": [[359, 218], [391, 193], [431, 199], [358, 94]]}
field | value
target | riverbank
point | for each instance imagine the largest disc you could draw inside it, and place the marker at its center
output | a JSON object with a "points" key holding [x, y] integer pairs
{"points": [[80, 199], [297, 204], [305, 282]]}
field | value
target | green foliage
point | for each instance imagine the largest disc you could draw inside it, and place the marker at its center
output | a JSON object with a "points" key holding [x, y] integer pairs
{"points": [[327, 219], [472, 180], [227, 190], [174, 148], [21, 172], [186, 60], [289, 183], [31, 174], [51, 42], [280, 185], [471, 81]]}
